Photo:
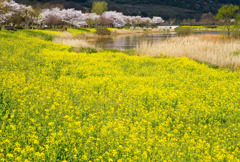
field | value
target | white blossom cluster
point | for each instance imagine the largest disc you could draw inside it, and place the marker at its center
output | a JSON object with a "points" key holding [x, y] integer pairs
{"points": [[69, 16], [9, 8], [74, 17], [77, 18]]}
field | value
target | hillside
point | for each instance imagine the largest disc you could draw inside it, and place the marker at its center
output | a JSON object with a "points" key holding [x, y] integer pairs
{"points": [[165, 8]]}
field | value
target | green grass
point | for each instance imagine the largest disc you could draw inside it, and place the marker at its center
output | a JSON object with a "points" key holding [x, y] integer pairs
{"points": [[193, 27], [57, 105], [205, 27], [224, 27]]}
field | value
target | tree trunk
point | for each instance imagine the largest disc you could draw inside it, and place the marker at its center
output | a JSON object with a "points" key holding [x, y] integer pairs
{"points": [[32, 24], [228, 32], [27, 25]]}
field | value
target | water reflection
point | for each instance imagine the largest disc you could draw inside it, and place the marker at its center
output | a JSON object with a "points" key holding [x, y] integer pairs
{"points": [[130, 41]]}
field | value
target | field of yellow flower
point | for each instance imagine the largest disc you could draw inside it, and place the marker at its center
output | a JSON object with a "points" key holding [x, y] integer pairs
{"points": [[81, 31], [58, 105]]}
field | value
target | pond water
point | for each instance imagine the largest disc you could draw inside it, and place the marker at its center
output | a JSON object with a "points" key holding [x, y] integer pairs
{"points": [[131, 40]]}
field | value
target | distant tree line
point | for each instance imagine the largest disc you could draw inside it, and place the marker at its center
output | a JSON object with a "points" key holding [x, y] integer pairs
{"points": [[21, 15], [28, 17], [197, 7]]}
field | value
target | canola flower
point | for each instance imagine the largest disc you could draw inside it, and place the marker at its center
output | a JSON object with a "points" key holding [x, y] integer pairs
{"points": [[58, 105], [81, 31]]}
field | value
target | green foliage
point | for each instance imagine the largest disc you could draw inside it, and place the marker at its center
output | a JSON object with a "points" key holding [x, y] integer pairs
{"points": [[85, 50], [99, 7], [92, 22], [210, 26], [130, 52], [103, 31], [235, 53], [226, 13], [18, 27]]}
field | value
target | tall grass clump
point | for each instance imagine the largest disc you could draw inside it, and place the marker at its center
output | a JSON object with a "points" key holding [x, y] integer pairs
{"points": [[183, 31], [103, 31], [75, 41], [236, 34]]}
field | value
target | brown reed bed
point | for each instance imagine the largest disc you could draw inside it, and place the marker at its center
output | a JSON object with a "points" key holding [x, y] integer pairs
{"points": [[218, 50]]}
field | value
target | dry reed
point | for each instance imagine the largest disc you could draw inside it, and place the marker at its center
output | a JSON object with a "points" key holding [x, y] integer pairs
{"points": [[213, 49], [69, 39]]}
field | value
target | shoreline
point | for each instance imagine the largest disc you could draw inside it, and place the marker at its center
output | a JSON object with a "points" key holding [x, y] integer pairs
{"points": [[87, 35], [129, 32]]}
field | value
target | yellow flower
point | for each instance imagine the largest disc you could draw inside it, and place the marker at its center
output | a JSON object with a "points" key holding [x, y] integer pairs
{"points": [[84, 157], [144, 155], [9, 155]]}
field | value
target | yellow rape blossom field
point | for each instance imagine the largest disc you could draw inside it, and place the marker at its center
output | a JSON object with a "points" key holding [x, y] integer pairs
{"points": [[81, 31], [58, 105]]}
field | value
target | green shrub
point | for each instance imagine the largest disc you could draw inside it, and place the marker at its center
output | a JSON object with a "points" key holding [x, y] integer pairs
{"points": [[89, 50], [111, 50], [183, 31], [103, 31], [235, 53], [211, 26], [18, 27], [84, 49]]}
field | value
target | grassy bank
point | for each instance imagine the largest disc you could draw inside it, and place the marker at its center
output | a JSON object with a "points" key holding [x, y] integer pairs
{"points": [[91, 32], [206, 28], [58, 105]]}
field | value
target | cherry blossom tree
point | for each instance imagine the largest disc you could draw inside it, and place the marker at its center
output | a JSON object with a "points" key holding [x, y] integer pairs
{"points": [[128, 20], [92, 19], [12, 12], [69, 16], [6, 11], [157, 20], [117, 17], [106, 21], [53, 20], [52, 17], [36, 17], [3, 12], [54, 12], [74, 17], [145, 21]]}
